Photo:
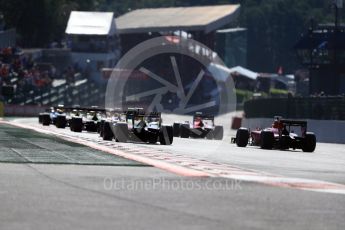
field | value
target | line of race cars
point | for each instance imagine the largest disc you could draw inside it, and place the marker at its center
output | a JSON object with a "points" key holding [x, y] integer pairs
{"points": [[136, 125], [133, 125]]}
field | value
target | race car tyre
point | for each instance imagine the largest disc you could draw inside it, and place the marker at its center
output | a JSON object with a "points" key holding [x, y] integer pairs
{"points": [[210, 135], [46, 119], [184, 131], [108, 134], [76, 124], [309, 142], [121, 132], [176, 128], [242, 137], [71, 124], [218, 132], [97, 126], [284, 142], [166, 135], [266, 139], [101, 128], [91, 126], [152, 138], [40, 118], [61, 121]]}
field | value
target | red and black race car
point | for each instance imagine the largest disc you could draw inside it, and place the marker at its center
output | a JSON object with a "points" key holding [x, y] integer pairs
{"points": [[202, 127], [282, 135]]}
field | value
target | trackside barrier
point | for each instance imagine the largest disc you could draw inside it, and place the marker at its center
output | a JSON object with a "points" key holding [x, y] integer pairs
{"points": [[83, 92], [24, 110], [315, 108], [329, 131], [236, 122], [1, 109]]}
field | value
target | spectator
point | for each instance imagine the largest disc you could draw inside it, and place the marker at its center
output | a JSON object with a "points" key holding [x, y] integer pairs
{"points": [[16, 65], [0, 89], [6, 54], [22, 74], [20, 88], [29, 64], [70, 75], [47, 81], [4, 73]]}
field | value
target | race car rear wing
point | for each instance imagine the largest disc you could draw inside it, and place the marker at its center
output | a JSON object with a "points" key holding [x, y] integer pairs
{"points": [[141, 112], [289, 122], [203, 116], [85, 109]]}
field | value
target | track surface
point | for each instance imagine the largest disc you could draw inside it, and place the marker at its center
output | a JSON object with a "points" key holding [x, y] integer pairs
{"points": [[327, 163], [82, 197], [27, 146], [74, 197]]}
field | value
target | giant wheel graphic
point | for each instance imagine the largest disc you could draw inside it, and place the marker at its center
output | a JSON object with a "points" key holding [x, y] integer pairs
{"points": [[186, 97], [116, 95]]}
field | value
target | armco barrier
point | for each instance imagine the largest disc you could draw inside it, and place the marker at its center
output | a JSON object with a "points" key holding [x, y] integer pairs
{"points": [[236, 122], [329, 131], [23, 110]]}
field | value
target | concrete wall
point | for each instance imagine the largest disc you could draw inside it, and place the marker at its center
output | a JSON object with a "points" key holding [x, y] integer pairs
{"points": [[1, 109], [329, 131], [23, 110]]}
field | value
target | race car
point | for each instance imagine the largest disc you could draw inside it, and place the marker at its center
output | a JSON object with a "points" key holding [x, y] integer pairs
{"points": [[55, 115], [85, 118], [281, 135], [136, 125], [44, 118], [202, 127], [111, 117]]}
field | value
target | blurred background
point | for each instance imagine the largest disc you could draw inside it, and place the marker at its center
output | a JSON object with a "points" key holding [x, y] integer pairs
{"points": [[63, 52]]}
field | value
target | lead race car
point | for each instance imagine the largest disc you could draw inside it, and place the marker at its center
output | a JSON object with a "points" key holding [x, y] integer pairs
{"points": [[280, 136]]}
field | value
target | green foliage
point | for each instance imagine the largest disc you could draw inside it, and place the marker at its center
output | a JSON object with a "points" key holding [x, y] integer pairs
{"points": [[278, 92], [243, 95], [274, 26]]}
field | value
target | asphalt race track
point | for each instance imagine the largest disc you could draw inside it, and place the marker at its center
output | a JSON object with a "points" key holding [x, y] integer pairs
{"points": [[196, 184]]}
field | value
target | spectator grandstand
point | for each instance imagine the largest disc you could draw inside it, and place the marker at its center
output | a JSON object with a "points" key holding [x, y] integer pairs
{"points": [[25, 81]]}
